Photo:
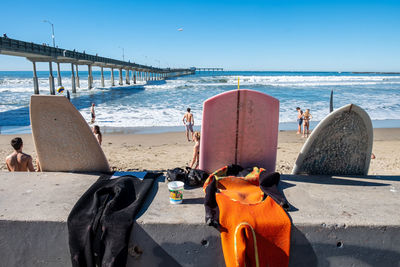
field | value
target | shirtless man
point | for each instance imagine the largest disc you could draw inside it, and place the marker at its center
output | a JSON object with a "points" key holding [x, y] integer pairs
{"points": [[188, 121], [92, 113], [19, 161]]}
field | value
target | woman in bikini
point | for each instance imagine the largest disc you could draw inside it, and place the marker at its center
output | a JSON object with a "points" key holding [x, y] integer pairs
{"points": [[196, 150], [97, 134], [306, 117]]}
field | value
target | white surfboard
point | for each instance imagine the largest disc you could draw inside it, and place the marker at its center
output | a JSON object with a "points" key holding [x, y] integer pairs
{"points": [[63, 139], [341, 144]]}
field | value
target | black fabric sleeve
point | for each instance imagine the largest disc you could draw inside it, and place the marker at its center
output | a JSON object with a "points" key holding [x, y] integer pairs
{"points": [[211, 206], [269, 185]]}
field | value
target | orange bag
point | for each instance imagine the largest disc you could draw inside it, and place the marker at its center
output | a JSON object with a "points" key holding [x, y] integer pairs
{"points": [[255, 231]]}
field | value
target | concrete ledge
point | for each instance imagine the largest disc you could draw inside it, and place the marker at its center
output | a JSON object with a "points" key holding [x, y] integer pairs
{"points": [[337, 221]]}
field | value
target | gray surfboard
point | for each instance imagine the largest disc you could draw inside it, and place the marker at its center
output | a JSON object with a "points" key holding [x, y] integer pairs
{"points": [[341, 144]]}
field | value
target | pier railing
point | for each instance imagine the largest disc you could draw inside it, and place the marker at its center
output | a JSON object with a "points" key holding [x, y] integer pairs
{"points": [[44, 53], [209, 69]]}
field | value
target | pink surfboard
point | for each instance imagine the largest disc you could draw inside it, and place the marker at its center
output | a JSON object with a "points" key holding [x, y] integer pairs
{"points": [[239, 127]]}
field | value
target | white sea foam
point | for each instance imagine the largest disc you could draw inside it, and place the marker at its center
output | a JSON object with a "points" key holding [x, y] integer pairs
{"points": [[299, 81], [163, 104]]}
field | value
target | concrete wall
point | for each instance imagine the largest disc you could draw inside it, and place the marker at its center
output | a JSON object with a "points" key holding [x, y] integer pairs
{"points": [[337, 221]]}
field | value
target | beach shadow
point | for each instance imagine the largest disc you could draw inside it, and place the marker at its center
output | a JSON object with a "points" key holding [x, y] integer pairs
{"points": [[301, 251], [313, 246], [144, 250], [281, 187], [173, 245], [328, 180], [150, 196], [197, 200], [395, 178], [21, 115], [331, 180]]}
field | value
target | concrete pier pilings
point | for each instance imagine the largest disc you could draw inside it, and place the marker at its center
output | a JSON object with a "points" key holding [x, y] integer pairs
{"points": [[51, 79], [112, 77], [73, 84], [90, 77], [127, 79], [134, 77], [120, 77], [102, 77], [77, 77], [59, 81], [35, 79]]}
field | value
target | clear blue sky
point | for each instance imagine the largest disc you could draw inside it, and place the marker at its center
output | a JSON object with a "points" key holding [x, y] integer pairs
{"points": [[238, 35]]}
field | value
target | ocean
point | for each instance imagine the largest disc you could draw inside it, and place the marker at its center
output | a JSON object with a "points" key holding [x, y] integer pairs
{"points": [[159, 105]]}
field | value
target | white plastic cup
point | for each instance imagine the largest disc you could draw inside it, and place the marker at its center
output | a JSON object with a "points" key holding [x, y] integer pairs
{"points": [[175, 192]]}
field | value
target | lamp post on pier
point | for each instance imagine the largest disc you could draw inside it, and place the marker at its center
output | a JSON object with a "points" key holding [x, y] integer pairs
{"points": [[123, 53], [52, 31]]}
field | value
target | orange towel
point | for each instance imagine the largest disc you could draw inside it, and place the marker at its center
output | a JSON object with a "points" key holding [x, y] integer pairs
{"points": [[254, 232]]}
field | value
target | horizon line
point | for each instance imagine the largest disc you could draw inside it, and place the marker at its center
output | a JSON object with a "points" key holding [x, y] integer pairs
{"points": [[233, 70]]}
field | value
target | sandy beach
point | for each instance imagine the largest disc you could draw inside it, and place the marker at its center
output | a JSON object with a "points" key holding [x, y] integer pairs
{"points": [[164, 151]]}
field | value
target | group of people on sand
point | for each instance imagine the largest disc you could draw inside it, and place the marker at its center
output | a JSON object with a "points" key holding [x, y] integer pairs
{"points": [[303, 118]]}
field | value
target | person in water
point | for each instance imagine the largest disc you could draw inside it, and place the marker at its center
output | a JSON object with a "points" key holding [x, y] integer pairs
{"points": [[196, 150], [97, 134], [306, 127], [299, 119], [188, 121], [19, 161], [92, 113]]}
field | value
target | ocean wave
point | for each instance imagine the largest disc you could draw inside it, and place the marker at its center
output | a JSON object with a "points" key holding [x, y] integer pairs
{"points": [[164, 103], [300, 81]]}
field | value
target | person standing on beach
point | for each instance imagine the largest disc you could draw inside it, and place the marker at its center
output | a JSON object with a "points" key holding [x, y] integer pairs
{"points": [[299, 119], [307, 117], [19, 161], [97, 134], [93, 115], [188, 121], [196, 151]]}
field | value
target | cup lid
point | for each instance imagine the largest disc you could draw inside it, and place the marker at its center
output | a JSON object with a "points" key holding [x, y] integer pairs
{"points": [[175, 185]]}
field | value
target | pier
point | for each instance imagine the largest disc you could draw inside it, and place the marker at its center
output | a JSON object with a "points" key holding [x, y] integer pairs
{"points": [[43, 53], [209, 69]]}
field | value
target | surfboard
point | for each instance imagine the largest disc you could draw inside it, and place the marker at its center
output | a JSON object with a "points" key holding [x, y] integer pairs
{"points": [[62, 138], [239, 127], [341, 144]]}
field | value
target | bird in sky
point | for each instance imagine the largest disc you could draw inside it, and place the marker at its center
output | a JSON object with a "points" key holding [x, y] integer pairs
{"points": [[180, 29]]}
